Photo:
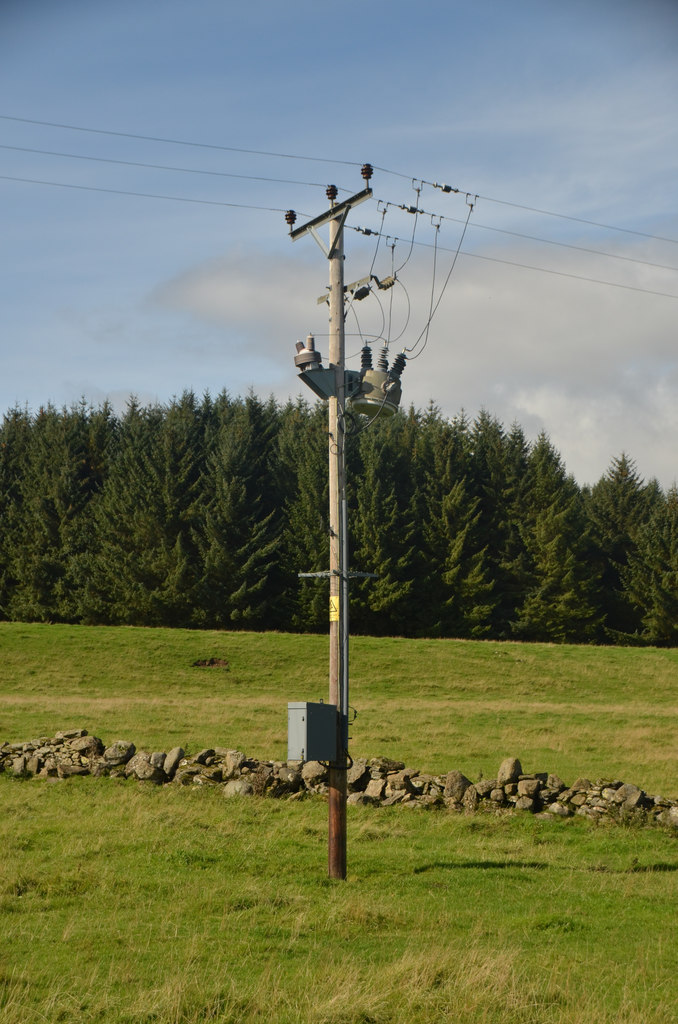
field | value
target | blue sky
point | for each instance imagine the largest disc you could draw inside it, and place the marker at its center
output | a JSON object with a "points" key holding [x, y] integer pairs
{"points": [[561, 323]]}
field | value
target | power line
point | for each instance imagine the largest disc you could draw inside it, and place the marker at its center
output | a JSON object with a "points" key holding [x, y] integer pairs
{"points": [[527, 266], [574, 277], [580, 220], [347, 163], [537, 238], [529, 209], [567, 245], [177, 142], [276, 209], [164, 167], [142, 195], [316, 184]]}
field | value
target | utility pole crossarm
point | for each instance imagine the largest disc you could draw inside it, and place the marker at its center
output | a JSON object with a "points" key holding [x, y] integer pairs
{"points": [[340, 209]]}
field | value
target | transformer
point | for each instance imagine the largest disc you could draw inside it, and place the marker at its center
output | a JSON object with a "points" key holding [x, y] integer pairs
{"points": [[380, 390]]}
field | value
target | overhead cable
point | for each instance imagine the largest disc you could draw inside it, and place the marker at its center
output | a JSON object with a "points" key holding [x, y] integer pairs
{"points": [[574, 277], [566, 245], [433, 308], [531, 209], [177, 142], [347, 163], [316, 184], [142, 195], [542, 270], [165, 167], [275, 209], [530, 238], [580, 220]]}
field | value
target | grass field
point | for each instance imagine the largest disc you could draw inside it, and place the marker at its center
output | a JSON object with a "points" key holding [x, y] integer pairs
{"points": [[435, 704], [133, 904]]}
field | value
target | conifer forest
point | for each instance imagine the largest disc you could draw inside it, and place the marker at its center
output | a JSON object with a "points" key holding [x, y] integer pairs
{"points": [[202, 513]]}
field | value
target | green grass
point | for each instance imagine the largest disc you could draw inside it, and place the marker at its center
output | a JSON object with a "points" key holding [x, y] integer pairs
{"points": [[126, 903], [435, 704]]}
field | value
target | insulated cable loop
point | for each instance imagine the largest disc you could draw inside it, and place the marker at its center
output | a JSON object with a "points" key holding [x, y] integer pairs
{"points": [[425, 333]]}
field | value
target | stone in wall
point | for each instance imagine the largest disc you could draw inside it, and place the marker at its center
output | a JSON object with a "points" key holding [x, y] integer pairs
{"points": [[509, 772], [172, 760], [456, 785], [119, 753]]}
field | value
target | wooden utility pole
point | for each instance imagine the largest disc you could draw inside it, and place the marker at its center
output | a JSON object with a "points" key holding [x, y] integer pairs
{"points": [[338, 527], [338, 553]]}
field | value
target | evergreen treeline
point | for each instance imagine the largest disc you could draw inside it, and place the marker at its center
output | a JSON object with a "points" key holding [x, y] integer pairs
{"points": [[201, 513]]}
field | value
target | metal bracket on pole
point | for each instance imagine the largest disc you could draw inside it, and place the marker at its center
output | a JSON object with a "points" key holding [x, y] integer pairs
{"points": [[322, 299], [316, 237], [340, 227], [335, 572], [323, 381]]}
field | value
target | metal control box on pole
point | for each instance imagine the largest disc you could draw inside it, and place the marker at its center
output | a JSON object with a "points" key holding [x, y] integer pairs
{"points": [[311, 731]]}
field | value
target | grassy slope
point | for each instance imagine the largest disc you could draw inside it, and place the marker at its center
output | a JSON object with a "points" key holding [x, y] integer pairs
{"points": [[436, 704], [127, 903]]}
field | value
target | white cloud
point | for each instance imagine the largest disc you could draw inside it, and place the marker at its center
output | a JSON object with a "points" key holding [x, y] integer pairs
{"points": [[593, 366]]}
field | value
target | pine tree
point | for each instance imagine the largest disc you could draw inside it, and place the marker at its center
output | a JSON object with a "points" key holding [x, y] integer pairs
{"points": [[416, 440], [62, 470], [651, 575], [15, 434], [240, 584], [143, 567], [617, 506], [497, 479], [454, 588], [381, 530], [559, 599], [513, 573], [302, 483], [468, 600]]}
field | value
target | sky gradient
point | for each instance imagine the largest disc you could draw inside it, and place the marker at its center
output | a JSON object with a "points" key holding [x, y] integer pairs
{"points": [[557, 123]]}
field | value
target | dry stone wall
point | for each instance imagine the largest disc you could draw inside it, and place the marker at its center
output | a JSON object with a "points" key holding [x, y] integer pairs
{"points": [[376, 782]]}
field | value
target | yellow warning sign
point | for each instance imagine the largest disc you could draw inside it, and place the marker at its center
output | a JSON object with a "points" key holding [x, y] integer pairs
{"points": [[334, 609]]}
